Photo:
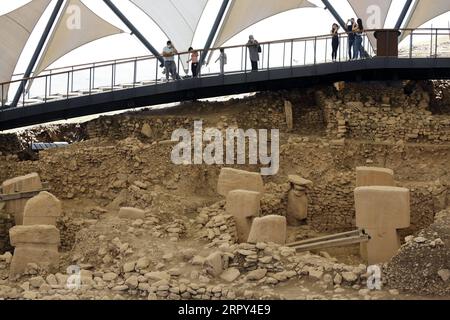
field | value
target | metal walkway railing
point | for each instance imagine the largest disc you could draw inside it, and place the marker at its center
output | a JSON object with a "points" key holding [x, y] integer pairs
{"points": [[114, 75]]}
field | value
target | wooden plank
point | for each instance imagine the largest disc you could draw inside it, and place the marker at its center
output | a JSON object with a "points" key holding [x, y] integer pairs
{"points": [[330, 237], [20, 195], [332, 243]]}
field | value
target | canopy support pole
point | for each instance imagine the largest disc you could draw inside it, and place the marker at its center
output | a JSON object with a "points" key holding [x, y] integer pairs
{"points": [[213, 33], [37, 52], [403, 14], [133, 29], [329, 6]]}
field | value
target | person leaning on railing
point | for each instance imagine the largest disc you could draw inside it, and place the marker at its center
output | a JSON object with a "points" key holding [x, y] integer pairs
{"points": [[168, 54], [358, 49]]}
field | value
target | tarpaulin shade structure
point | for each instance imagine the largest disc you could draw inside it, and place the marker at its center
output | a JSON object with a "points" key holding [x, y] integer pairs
{"points": [[77, 26], [245, 13], [15, 30], [373, 14], [423, 11]]}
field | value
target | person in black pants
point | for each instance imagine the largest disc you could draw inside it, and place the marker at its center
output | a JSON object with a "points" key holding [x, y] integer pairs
{"points": [[335, 41], [351, 37], [194, 61]]}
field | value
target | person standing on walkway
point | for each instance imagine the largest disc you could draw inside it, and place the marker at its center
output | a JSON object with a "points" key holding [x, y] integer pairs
{"points": [[254, 49], [351, 37], [358, 48], [223, 60], [335, 41], [194, 61], [168, 54]]}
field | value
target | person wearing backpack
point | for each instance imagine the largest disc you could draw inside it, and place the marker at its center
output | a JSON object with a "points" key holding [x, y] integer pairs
{"points": [[254, 50]]}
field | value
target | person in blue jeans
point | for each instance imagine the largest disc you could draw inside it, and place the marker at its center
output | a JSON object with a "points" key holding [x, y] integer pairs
{"points": [[358, 49]]}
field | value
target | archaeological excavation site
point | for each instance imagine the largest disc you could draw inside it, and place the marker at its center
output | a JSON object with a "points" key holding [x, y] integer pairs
{"points": [[359, 208]]}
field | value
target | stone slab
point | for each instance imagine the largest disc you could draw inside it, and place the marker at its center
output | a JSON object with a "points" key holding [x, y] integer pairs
{"points": [[372, 176], [232, 179], [382, 207], [268, 229]]}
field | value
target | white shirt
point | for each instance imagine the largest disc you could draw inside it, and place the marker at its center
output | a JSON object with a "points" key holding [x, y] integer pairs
{"points": [[169, 51]]}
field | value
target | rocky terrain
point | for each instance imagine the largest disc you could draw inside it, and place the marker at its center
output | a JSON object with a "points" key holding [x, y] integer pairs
{"points": [[181, 243]]}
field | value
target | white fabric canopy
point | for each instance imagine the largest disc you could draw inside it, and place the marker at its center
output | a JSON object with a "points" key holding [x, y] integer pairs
{"points": [[76, 26], [245, 13], [423, 11], [178, 19], [15, 30], [373, 14]]}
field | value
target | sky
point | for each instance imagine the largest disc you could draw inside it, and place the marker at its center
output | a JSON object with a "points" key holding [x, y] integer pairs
{"points": [[292, 24]]}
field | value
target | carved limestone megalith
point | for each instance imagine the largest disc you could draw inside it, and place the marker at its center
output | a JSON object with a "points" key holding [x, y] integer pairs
{"points": [[297, 209], [244, 206], [28, 183], [381, 211], [372, 176], [268, 229], [232, 179], [34, 244], [43, 209]]}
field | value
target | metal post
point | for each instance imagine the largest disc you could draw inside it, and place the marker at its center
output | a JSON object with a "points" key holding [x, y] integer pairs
{"points": [[403, 14], [213, 32], [329, 6], [133, 29], [37, 52]]}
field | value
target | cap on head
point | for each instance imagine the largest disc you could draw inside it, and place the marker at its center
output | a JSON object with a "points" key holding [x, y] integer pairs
{"points": [[251, 37], [169, 42]]}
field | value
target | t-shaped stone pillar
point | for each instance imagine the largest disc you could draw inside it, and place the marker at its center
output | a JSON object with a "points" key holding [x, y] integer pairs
{"points": [[43, 209], [244, 206], [297, 209], [28, 183], [34, 244], [381, 211]]}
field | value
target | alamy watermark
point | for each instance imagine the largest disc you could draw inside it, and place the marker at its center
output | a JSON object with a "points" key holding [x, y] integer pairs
{"points": [[374, 277], [73, 13], [214, 147], [74, 280]]}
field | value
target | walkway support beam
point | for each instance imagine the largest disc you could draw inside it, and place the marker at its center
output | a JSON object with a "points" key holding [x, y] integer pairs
{"points": [[403, 14], [329, 6], [213, 33], [133, 29], [37, 52]]}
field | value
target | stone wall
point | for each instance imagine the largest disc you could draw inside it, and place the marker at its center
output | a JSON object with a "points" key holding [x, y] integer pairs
{"points": [[5, 224], [9, 144], [381, 113]]}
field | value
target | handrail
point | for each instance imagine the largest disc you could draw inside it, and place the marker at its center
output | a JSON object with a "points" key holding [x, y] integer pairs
{"points": [[107, 63], [114, 62]]}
